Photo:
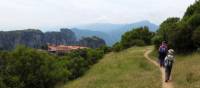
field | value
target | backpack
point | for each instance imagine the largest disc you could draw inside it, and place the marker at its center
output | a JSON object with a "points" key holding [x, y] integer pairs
{"points": [[168, 62], [163, 50]]}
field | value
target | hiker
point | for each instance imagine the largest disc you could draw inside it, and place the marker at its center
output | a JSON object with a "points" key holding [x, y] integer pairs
{"points": [[162, 53], [169, 60]]}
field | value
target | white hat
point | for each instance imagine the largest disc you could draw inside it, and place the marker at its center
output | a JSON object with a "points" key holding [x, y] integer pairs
{"points": [[171, 51]]}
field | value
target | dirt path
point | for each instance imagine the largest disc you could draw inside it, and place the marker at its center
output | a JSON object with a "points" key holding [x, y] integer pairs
{"points": [[164, 84]]}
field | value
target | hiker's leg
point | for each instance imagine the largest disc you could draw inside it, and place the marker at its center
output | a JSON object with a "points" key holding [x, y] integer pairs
{"points": [[159, 59], [162, 61], [166, 73], [170, 69]]}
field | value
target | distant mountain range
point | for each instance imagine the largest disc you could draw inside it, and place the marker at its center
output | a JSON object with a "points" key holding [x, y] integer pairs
{"points": [[80, 33], [108, 27], [111, 33]]}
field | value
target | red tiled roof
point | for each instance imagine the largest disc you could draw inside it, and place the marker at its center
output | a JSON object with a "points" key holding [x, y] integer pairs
{"points": [[64, 48]]}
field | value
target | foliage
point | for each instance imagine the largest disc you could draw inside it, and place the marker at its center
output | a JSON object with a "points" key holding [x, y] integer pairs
{"points": [[82, 60], [181, 34], [196, 37], [156, 40], [29, 68], [193, 9], [105, 49], [165, 31], [117, 47], [136, 37]]}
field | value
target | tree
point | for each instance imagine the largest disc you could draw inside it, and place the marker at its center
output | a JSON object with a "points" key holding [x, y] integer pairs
{"points": [[136, 37], [166, 27], [29, 68], [196, 37], [117, 47], [181, 34], [139, 36]]}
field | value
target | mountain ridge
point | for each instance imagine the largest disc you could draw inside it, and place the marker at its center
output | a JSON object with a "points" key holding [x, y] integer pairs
{"points": [[111, 26], [111, 33]]}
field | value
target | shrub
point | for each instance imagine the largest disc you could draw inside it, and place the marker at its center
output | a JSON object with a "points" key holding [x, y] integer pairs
{"points": [[81, 60], [156, 40], [105, 49], [117, 47], [30, 68], [136, 37]]}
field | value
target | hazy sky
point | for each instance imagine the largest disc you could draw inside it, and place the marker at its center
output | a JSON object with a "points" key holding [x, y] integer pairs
{"points": [[40, 13]]}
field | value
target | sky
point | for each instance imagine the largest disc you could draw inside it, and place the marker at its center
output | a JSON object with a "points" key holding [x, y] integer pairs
{"points": [[65, 13]]}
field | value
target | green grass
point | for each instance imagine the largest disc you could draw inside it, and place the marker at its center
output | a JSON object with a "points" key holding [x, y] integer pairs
{"points": [[126, 69], [186, 71], [154, 55]]}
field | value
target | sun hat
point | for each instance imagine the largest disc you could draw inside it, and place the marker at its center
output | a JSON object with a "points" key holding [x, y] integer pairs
{"points": [[171, 51]]}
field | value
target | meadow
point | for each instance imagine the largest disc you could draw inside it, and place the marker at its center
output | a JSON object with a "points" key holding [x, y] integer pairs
{"points": [[186, 70], [125, 69]]}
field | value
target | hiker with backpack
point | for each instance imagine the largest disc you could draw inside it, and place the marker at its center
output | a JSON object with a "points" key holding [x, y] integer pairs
{"points": [[162, 53], [169, 60]]}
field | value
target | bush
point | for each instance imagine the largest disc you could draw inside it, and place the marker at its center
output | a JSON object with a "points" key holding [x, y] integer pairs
{"points": [[136, 37], [105, 49], [156, 40], [117, 47], [81, 60], [30, 68]]}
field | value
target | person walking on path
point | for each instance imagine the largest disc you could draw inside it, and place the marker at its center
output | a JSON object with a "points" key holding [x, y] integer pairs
{"points": [[169, 60], [162, 53]]}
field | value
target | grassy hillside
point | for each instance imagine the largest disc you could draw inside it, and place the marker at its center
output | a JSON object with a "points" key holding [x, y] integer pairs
{"points": [[126, 69], [186, 70]]}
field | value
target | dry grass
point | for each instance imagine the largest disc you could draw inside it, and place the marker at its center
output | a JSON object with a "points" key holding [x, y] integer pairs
{"points": [[186, 71], [127, 69]]}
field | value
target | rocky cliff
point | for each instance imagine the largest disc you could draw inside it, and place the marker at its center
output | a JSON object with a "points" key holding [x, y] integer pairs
{"points": [[37, 39]]}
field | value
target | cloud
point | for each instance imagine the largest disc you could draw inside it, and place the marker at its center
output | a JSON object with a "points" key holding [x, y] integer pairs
{"points": [[37, 13]]}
